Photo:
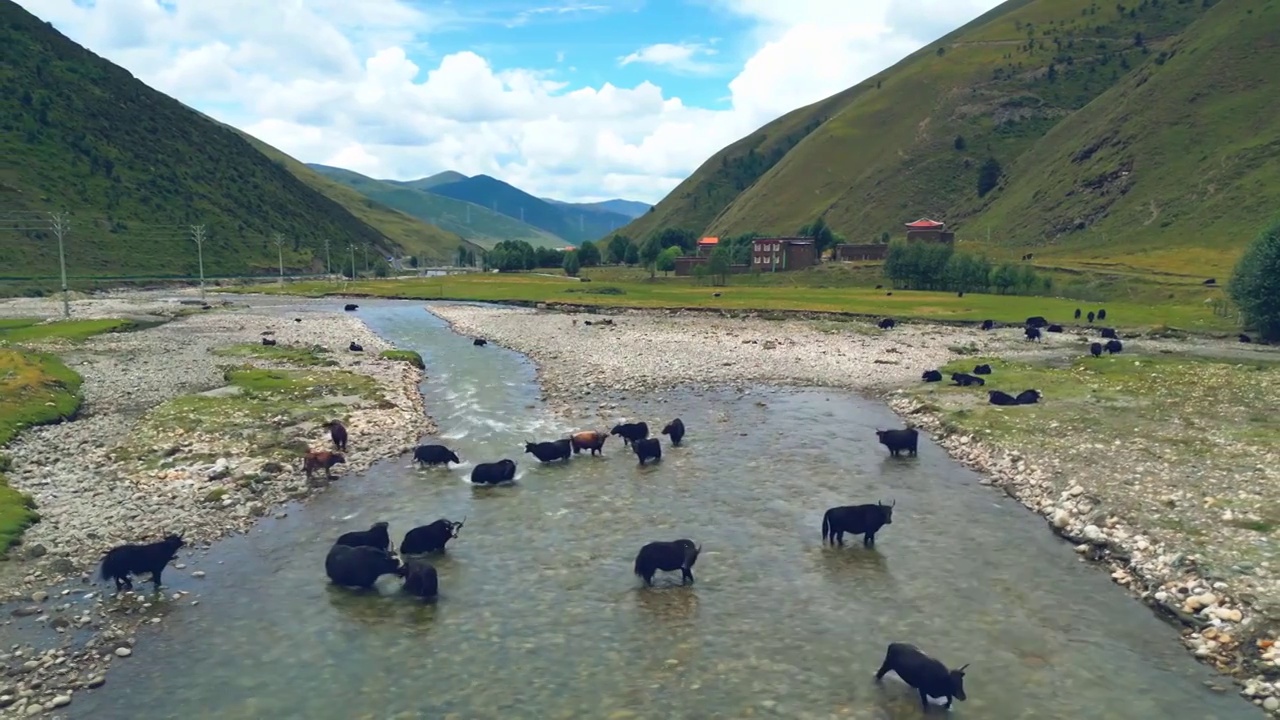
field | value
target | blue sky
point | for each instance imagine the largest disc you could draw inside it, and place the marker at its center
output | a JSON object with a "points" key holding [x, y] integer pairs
{"points": [[579, 100]]}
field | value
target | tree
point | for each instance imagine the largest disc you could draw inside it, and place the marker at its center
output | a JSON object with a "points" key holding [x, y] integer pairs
{"points": [[650, 251], [1255, 283], [571, 264], [666, 261], [589, 254], [989, 176], [616, 250], [960, 143], [632, 256], [718, 266], [413, 260], [823, 236]]}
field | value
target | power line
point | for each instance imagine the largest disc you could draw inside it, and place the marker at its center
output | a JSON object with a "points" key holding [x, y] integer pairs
{"points": [[278, 239], [61, 226], [197, 234]]}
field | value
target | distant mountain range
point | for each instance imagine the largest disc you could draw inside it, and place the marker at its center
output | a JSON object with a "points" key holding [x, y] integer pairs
{"points": [[486, 210]]}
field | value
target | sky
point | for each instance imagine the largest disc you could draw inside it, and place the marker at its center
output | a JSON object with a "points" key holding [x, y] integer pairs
{"points": [[578, 100]]}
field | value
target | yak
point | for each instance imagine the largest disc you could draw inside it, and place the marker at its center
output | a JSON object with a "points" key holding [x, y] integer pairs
{"points": [[674, 430], [1113, 346], [899, 440], [1108, 334], [982, 369], [988, 324], [121, 561], [420, 579], [928, 676], [479, 342], [321, 460], [1102, 314], [887, 323], [865, 520], [630, 432], [1077, 313], [1096, 349], [355, 347], [1245, 338], [268, 341], [494, 472], [999, 397], [668, 557], [648, 449], [1054, 329], [1032, 333], [430, 538], [965, 379], [360, 566], [338, 433], [434, 455], [376, 537], [1036, 321], [588, 440], [350, 307], [1028, 397], [550, 451], [931, 376]]}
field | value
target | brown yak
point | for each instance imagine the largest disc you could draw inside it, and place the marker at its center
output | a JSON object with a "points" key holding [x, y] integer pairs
{"points": [[318, 459], [588, 440]]}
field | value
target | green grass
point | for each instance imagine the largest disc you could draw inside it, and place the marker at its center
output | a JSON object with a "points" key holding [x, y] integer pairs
{"points": [[1158, 158], [308, 356], [479, 224], [677, 293], [409, 356], [135, 169], [267, 411], [32, 330]]}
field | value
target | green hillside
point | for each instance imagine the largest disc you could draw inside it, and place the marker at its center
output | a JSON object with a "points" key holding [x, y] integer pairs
{"points": [[1091, 109], [477, 224], [426, 183], [416, 237], [630, 208], [134, 169], [570, 223]]}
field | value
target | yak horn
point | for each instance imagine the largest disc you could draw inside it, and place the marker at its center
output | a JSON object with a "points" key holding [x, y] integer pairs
{"points": [[962, 667]]}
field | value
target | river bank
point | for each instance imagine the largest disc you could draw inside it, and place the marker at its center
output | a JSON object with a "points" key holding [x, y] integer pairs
{"points": [[1227, 609], [191, 426]]}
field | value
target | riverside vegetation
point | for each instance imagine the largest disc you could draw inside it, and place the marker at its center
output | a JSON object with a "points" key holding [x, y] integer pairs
{"points": [[189, 425]]}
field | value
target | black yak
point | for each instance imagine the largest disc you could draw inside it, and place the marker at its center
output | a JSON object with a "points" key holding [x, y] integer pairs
{"points": [[999, 397], [668, 557], [376, 537], [1102, 314], [983, 369], [359, 566], [355, 347], [1113, 346], [1210, 281], [494, 472], [350, 307], [1077, 313], [1096, 349], [588, 440], [434, 455], [1090, 316], [1108, 333], [338, 433], [124, 560], [1032, 333], [430, 538], [988, 324], [1036, 321], [421, 579], [268, 341], [965, 379], [928, 676], [630, 432], [899, 440], [1245, 338], [550, 451], [931, 376], [1028, 397], [321, 460], [865, 520], [1054, 329], [648, 449], [479, 342], [887, 323], [675, 430]]}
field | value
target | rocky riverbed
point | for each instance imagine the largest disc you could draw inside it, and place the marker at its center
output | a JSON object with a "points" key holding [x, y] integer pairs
{"points": [[1226, 620], [96, 485]]}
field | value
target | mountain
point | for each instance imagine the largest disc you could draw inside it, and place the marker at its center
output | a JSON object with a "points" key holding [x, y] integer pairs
{"points": [[630, 208], [1140, 135], [134, 169], [571, 223], [477, 224], [426, 183]]}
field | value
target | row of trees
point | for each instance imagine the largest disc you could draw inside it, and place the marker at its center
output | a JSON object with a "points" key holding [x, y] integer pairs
{"points": [[938, 266]]}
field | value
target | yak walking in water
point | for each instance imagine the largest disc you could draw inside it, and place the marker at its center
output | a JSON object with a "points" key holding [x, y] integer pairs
{"points": [[674, 430], [648, 449], [631, 432], [668, 557], [588, 440], [550, 451], [430, 538], [865, 520], [360, 566], [494, 473], [928, 676], [376, 536], [899, 440], [434, 455], [122, 561], [421, 579]]}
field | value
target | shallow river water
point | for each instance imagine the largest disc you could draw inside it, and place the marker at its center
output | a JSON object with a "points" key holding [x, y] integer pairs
{"points": [[541, 617]]}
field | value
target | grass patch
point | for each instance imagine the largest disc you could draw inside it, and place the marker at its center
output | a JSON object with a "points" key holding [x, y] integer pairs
{"points": [[683, 293], [17, 513], [310, 356], [265, 413], [409, 356], [30, 330]]}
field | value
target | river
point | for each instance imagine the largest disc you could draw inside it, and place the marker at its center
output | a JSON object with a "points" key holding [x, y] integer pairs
{"points": [[541, 617]]}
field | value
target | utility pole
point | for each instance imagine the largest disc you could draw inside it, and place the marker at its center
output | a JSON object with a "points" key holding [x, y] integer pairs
{"points": [[61, 226], [366, 256], [328, 266], [468, 213], [278, 239], [197, 234], [352, 248]]}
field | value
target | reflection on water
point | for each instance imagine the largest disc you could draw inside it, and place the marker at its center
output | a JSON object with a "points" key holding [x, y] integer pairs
{"points": [[540, 615]]}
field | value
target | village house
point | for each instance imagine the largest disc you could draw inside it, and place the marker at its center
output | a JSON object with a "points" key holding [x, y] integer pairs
{"points": [[783, 253], [850, 252], [928, 230]]}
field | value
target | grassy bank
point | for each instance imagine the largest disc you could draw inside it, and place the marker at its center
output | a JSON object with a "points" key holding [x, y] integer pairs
{"points": [[409, 356], [676, 293], [32, 330], [260, 413], [301, 356], [1180, 445]]}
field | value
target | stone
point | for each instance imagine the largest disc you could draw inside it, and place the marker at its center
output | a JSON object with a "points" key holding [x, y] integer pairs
{"points": [[39, 596], [123, 652], [1271, 704], [60, 701]]}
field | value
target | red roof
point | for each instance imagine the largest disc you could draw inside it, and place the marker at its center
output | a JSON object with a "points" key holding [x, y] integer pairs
{"points": [[925, 224], [709, 241]]}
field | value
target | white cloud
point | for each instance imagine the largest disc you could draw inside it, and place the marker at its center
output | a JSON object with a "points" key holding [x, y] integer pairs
{"points": [[329, 81], [677, 57]]}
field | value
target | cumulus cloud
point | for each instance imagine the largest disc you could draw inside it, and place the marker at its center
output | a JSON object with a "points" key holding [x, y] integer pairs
{"points": [[331, 81]]}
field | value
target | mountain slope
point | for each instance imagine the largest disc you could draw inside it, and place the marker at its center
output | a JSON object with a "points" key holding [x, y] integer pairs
{"points": [[477, 224], [629, 208], [418, 238], [135, 169], [572, 224], [426, 183], [911, 141]]}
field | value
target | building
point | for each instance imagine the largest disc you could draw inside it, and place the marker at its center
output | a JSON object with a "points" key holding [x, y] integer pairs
{"points": [[705, 246], [686, 263], [783, 253], [849, 252], [929, 231]]}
